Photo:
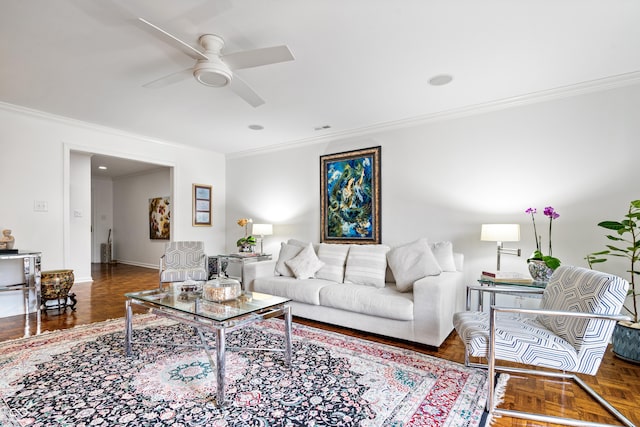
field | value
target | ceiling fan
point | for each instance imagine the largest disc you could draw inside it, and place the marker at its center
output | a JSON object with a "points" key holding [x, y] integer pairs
{"points": [[215, 69]]}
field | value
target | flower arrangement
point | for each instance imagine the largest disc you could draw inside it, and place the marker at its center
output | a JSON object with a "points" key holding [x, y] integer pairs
{"points": [[537, 255], [248, 240]]}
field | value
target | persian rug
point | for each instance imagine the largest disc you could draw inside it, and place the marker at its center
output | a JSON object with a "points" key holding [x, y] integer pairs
{"points": [[81, 377]]}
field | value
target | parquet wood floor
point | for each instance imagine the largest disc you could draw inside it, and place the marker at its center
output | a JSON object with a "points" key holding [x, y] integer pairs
{"points": [[618, 381]]}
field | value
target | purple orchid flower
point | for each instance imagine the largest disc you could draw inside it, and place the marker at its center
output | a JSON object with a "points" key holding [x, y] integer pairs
{"points": [[551, 213]]}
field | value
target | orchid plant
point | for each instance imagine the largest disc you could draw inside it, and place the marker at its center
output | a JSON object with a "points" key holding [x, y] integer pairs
{"points": [[537, 255], [247, 240]]}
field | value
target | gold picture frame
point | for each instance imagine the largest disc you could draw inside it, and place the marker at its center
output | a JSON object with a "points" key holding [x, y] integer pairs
{"points": [[202, 200], [350, 197]]}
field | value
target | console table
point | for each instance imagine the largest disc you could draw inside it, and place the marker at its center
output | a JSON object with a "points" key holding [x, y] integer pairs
{"points": [[31, 268]]}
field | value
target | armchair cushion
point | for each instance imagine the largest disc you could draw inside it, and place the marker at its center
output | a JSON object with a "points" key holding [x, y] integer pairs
{"points": [[183, 260], [587, 291], [518, 339]]}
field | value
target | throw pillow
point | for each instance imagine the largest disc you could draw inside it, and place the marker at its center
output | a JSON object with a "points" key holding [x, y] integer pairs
{"points": [[305, 264], [411, 262], [296, 242], [366, 265], [443, 251], [334, 258], [287, 252]]}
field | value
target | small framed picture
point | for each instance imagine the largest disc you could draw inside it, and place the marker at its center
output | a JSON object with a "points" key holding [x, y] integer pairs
{"points": [[201, 205]]}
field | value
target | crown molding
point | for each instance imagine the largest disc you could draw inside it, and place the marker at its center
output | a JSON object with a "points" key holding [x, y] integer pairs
{"points": [[30, 112], [567, 91]]}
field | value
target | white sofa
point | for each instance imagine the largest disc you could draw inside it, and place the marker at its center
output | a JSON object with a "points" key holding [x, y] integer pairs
{"points": [[348, 289]]}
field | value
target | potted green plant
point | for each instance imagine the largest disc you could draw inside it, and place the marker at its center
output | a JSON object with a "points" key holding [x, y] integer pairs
{"points": [[626, 335], [246, 243]]}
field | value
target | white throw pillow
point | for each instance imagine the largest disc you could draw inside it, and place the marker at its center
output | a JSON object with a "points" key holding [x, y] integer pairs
{"points": [[443, 251], [366, 265], [411, 262], [334, 258], [287, 252], [305, 264]]}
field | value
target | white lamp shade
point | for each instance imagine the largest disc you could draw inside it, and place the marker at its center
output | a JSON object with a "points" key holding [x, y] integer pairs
{"points": [[262, 229], [500, 232]]}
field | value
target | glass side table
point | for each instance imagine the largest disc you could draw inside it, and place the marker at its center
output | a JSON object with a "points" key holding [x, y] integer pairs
{"points": [[241, 259], [533, 289]]}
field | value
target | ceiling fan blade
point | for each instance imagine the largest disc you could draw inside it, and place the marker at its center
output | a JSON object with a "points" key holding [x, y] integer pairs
{"points": [[170, 79], [168, 37], [244, 91], [258, 57]]}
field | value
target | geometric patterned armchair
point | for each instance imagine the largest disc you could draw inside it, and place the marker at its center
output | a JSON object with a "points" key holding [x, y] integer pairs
{"points": [[182, 261], [568, 333]]}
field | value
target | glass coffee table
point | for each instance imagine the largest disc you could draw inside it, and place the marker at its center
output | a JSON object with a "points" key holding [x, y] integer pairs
{"points": [[219, 317]]}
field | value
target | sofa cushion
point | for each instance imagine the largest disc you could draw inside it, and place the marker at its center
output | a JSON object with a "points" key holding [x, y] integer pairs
{"points": [[381, 302], [287, 251], [411, 262], [305, 291], [443, 251], [305, 264], [366, 265], [334, 257]]}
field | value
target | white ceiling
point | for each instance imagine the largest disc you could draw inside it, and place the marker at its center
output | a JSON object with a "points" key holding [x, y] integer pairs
{"points": [[359, 63]]}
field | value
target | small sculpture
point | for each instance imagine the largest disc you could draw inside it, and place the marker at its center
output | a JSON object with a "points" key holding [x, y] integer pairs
{"points": [[7, 240]]}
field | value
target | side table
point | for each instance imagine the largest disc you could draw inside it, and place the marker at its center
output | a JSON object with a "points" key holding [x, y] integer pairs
{"points": [[532, 289], [242, 259]]}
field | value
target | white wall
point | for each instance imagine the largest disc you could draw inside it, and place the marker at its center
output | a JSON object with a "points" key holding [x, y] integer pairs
{"points": [[131, 194], [36, 151], [102, 210], [80, 216], [444, 179]]}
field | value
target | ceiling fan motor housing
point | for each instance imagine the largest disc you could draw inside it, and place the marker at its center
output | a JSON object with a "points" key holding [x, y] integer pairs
{"points": [[213, 71]]}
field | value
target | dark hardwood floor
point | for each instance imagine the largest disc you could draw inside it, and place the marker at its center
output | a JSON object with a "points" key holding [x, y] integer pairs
{"points": [[618, 381]]}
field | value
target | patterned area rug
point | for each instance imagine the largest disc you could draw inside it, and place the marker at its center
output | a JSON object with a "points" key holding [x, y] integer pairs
{"points": [[80, 377]]}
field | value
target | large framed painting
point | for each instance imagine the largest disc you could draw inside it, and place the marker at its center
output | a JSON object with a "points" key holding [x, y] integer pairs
{"points": [[350, 196], [160, 218], [201, 205]]}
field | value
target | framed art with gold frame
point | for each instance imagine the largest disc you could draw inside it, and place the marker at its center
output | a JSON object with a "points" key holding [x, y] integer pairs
{"points": [[202, 199], [350, 196]]}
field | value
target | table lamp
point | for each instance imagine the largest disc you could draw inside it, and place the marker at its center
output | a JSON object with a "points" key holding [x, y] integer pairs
{"points": [[262, 230], [501, 233]]}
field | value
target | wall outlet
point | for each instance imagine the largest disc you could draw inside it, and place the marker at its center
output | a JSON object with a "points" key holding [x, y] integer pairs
{"points": [[40, 206]]}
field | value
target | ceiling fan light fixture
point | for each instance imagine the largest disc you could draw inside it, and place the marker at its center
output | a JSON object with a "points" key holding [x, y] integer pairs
{"points": [[212, 73]]}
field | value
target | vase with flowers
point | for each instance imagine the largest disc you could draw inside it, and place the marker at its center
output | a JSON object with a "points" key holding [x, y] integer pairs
{"points": [[246, 243], [542, 266]]}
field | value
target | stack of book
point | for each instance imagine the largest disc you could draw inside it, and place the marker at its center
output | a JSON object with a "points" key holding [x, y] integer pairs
{"points": [[506, 277]]}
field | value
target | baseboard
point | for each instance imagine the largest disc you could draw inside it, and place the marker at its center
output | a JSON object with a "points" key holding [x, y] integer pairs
{"points": [[138, 264]]}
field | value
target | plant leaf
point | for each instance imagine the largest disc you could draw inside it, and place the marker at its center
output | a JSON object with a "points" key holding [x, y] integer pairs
{"points": [[611, 225]]}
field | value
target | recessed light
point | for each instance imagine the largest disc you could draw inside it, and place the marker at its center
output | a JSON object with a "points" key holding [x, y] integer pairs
{"points": [[440, 80], [104, 168], [256, 127]]}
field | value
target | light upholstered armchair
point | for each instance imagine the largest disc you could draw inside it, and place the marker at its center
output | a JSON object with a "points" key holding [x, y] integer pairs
{"points": [[182, 261], [568, 334]]}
